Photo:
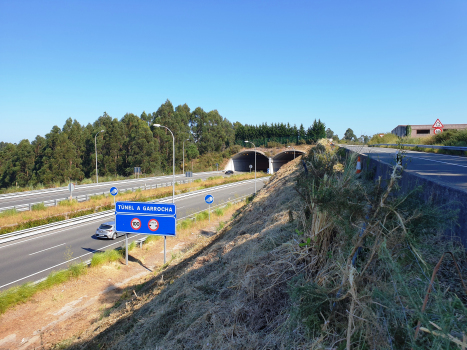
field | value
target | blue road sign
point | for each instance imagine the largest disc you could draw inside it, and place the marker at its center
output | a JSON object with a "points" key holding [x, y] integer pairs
{"points": [[209, 199], [113, 191], [268, 170], [146, 218]]}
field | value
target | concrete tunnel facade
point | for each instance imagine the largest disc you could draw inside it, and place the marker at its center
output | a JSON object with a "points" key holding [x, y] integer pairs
{"points": [[241, 161], [284, 157]]}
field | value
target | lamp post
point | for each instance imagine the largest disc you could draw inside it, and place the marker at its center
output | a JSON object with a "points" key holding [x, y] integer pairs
{"points": [[173, 181], [255, 160], [293, 151], [95, 147], [184, 155]]}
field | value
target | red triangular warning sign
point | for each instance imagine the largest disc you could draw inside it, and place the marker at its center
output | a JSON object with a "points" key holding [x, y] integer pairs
{"points": [[438, 124]]}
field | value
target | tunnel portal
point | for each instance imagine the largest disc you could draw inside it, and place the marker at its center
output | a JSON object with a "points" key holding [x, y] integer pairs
{"points": [[241, 161], [284, 157]]}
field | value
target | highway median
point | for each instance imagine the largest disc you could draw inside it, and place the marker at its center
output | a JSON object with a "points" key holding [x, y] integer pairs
{"points": [[12, 221]]}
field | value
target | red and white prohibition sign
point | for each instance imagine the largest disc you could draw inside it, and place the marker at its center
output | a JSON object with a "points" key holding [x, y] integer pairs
{"points": [[153, 225], [135, 224]]}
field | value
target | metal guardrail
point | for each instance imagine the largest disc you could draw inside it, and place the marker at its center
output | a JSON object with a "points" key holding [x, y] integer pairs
{"points": [[109, 183], [87, 197], [7, 237], [451, 148]]}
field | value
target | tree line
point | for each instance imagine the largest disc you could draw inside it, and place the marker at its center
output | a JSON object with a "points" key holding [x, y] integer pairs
{"points": [[279, 131], [69, 153]]}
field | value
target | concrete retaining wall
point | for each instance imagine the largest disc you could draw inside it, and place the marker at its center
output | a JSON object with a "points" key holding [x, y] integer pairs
{"points": [[442, 194]]}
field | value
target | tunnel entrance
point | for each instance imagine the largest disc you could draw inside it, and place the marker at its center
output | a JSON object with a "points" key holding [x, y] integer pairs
{"points": [[242, 161], [284, 157]]}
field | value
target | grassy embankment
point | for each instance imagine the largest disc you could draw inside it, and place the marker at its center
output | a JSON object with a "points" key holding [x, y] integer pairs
{"points": [[447, 138], [11, 220], [328, 260], [25, 292]]}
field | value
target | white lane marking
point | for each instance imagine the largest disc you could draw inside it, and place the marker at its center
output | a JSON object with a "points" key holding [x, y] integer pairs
{"points": [[91, 186], [65, 262], [430, 160], [438, 161], [40, 251], [48, 234], [186, 196]]}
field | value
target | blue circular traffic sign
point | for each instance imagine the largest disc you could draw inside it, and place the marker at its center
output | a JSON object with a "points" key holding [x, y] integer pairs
{"points": [[113, 191], [209, 199]]}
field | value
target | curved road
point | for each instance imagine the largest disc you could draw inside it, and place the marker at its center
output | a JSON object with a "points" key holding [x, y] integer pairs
{"points": [[30, 259], [31, 197], [440, 168]]}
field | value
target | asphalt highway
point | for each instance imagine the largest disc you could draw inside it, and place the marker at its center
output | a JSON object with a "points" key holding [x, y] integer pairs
{"points": [[443, 169], [30, 259], [27, 197]]}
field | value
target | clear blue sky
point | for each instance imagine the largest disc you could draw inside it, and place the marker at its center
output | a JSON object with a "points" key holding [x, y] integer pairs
{"points": [[367, 65]]}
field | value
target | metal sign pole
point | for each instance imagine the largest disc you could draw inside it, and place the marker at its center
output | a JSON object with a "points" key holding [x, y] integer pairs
{"points": [[126, 250], [209, 212]]}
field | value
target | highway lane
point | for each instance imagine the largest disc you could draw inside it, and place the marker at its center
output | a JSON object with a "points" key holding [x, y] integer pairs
{"points": [[441, 168], [27, 197], [33, 258]]}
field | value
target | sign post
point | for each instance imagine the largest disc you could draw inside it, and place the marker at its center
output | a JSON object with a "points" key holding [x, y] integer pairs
{"points": [[217, 165], [71, 188], [209, 199], [251, 166], [145, 219]]}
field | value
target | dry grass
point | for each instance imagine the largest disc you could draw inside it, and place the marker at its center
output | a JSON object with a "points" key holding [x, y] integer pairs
{"points": [[228, 295], [21, 294], [17, 218], [286, 274]]}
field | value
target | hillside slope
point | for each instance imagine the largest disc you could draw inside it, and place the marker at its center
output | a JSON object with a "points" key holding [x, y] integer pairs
{"points": [[232, 294]]}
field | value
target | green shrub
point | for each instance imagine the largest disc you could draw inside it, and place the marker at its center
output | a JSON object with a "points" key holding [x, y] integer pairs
{"points": [[8, 212], [38, 206], [152, 238], [219, 212], [387, 138], [186, 223], [106, 257], [204, 215], [67, 203]]}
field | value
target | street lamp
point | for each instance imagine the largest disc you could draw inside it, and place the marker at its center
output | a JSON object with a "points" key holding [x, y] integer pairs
{"points": [[184, 155], [173, 181], [95, 147], [293, 151], [255, 160]]}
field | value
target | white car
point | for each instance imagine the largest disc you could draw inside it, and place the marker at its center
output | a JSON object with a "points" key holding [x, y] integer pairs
{"points": [[107, 230]]}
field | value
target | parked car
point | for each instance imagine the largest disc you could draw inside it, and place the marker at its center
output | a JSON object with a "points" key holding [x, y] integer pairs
{"points": [[229, 172], [107, 230]]}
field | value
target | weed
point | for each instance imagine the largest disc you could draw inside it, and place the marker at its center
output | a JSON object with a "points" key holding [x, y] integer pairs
{"points": [[151, 238], [8, 212], [106, 257], [38, 206]]}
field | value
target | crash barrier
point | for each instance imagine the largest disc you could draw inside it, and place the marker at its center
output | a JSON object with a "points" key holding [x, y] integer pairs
{"points": [[450, 148], [7, 237], [88, 186], [87, 197], [441, 194]]}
